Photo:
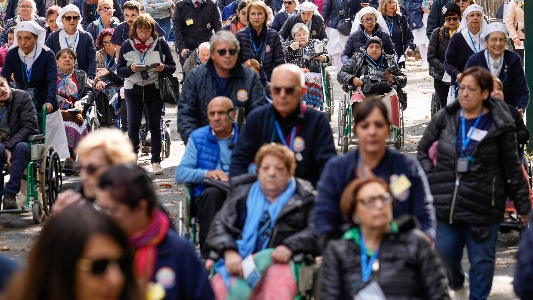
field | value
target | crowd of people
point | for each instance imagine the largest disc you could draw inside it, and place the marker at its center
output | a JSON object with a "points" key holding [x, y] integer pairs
{"points": [[267, 186]]}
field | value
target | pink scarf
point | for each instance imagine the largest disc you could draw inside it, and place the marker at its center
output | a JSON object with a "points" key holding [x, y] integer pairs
{"points": [[142, 47]]}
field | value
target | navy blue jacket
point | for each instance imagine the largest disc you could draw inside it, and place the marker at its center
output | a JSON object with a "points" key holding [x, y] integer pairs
{"points": [[358, 39], [512, 75], [193, 27], [279, 20], [86, 50], [330, 10], [314, 131], [524, 265], [244, 88], [457, 54], [435, 18], [403, 39], [318, 32], [12, 7], [339, 171], [8, 267], [176, 255], [88, 13], [413, 8]]}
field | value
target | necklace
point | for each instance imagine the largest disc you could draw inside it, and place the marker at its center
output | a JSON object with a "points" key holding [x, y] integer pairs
{"points": [[495, 63]]}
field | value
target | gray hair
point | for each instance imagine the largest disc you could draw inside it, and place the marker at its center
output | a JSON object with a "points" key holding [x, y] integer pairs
{"points": [[33, 8], [299, 26], [204, 45], [224, 36]]}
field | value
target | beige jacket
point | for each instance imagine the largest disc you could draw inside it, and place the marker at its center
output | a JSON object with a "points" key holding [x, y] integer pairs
{"points": [[515, 22]]}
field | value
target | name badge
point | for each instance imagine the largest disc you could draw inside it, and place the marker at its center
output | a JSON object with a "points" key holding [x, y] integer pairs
{"points": [[478, 134], [399, 185], [189, 22]]}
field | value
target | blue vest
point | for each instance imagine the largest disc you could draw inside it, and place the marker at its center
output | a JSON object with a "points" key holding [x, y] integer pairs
{"points": [[208, 153]]}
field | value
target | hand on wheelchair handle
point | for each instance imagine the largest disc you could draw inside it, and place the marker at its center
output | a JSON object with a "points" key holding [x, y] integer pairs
{"points": [[281, 254], [49, 107], [233, 262]]}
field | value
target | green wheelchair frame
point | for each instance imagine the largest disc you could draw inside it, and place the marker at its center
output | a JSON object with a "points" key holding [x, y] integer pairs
{"points": [[187, 226], [42, 172], [327, 92], [345, 119]]}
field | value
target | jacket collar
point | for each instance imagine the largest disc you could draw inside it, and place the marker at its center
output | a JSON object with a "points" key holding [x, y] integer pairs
{"points": [[501, 117], [236, 72], [298, 114]]}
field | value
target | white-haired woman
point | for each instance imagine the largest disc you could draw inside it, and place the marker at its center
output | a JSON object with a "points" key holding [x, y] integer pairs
{"points": [[26, 11]]}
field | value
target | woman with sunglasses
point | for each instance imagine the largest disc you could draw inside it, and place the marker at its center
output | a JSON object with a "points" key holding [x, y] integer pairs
{"points": [[436, 19], [376, 250], [75, 38], [143, 59], [258, 41], [105, 19], [438, 43], [503, 64], [398, 29], [81, 254], [27, 11], [126, 193]]}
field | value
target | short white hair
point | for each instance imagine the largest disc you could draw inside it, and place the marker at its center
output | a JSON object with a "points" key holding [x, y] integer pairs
{"points": [[299, 26], [33, 7], [204, 45]]}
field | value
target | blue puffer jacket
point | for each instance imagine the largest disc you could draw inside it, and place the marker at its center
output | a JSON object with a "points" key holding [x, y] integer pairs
{"points": [[273, 49], [208, 151], [358, 39], [415, 13], [330, 10]]}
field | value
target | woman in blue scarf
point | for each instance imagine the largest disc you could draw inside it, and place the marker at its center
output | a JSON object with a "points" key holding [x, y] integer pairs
{"points": [[267, 216]]}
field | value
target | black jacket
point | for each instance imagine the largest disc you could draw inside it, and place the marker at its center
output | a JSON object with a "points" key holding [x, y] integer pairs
{"points": [[318, 32], [272, 49], [192, 27], [494, 174], [200, 86], [330, 10], [408, 267], [357, 40], [314, 131], [22, 118], [293, 228], [401, 42], [435, 18], [438, 43], [88, 13]]}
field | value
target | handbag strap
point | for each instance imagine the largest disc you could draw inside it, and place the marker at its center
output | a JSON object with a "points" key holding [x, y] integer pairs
{"points": [[346, 16]]}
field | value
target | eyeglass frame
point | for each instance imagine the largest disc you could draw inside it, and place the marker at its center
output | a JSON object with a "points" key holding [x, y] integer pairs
{"points": [[386, 199]]}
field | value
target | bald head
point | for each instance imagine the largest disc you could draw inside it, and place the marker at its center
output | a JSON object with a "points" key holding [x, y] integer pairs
{"points": [[287, 88], [292, 70], [218, 120]]}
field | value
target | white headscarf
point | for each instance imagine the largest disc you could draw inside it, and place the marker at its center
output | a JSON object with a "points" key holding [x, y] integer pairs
{"points": [[468, 10], [494, 27], [64, 10], [33, 27], [308, 6], [369, 10]]}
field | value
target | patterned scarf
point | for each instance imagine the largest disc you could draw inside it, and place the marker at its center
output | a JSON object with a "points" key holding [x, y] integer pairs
{"points": [[142, 47], [146, 242], [67, 87]]}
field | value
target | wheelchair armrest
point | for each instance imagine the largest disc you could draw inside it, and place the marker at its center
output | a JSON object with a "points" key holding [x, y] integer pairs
{"points": [[299, 257], [35, 137], [223, 185]]}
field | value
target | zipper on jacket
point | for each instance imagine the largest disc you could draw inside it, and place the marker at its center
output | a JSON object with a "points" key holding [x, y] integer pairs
{"points": [[457, 182], [493, 187]]}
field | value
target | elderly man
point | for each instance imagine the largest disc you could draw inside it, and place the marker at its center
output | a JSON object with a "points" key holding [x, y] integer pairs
{"points": [[287, 121], [193, 23], [198, 57], [220, 76], [307, 16], [18, 120], [208, 155]]}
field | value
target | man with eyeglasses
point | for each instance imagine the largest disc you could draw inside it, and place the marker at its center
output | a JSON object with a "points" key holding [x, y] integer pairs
{"points": [[208, 156], [307, 16], [193, 23], [18, 121], [90, 12], [289, 122], [221, 75], [436, 19]]}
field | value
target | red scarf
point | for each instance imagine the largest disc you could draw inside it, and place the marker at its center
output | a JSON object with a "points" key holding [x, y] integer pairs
{"points": [[142, 47], [145, 243]]}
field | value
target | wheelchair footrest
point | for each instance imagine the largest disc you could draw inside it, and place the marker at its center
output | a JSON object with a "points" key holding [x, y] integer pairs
{"points": [[36, 151]]}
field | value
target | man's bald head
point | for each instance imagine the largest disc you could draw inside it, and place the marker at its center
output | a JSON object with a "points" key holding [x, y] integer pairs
{"points": [[220, 100], [287, 87], [292, 69], [218, 120]]}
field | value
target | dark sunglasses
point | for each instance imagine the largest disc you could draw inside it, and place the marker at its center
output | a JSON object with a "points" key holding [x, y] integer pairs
{"points": [[288, 90], [90, 168], [70, 18], [457, 1], [451, 19], [98, 267], [222, 52], [288, 2]]}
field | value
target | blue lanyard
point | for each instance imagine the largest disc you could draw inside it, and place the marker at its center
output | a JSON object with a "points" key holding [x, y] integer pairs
{"points": [[2, 114], [107, 63], [366, 35], [466, 140], [473, 44], [374, 62], [361, 166], [366, 266], [282, 138], [390, 24], [74, 43], [96, 14], [141, 56], [256, 49], [25, 69]]}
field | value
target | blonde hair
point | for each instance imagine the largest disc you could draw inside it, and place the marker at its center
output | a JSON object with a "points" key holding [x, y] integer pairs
{"points": [[259, 5], [382, 4], [102, 2], [117, 147], [282, 152]]}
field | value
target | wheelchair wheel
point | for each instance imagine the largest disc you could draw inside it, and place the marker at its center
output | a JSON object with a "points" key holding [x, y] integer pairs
{"points": [[52, 179], [399, 133], [340, 122], [344, 146], [435, 104], [165, 144], [328, 114], [37, 212]]}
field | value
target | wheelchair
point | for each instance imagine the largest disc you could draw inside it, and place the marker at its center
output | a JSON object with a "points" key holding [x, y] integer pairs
{"points": [[324, 104], [43, 177], [435, 104], [164, 129], [346, 116]]}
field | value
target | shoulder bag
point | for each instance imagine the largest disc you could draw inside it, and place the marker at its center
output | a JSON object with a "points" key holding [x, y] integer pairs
{"points": [[168, 86]]}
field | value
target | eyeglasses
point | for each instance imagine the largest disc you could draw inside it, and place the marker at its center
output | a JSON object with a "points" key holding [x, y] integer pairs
{"points": [[70, 18], [105, 43], [301, 35], [368, 20], [223, 52], [495, 40], [288, 2], [98, 267], [256, 14], [457, 1], [90, 169], [25, 7], [451, 19], [288, 90], [106, 9], [144, 31], [386, 199]]}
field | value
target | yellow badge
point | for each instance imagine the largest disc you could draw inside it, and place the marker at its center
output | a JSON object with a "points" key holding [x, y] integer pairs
{"points": [[189, 22], [399, 185]]}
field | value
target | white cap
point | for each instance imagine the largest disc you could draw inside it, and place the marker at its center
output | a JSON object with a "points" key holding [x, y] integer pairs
{"points": [[494, 27], [66, 9], [33, 27]]}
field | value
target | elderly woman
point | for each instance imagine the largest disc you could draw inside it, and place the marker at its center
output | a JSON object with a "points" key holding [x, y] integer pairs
{"points": [[308, 16], [398, 29], [52, 13], [308, 55], [503, 64], [438, 43], [334, 11], [74, 92], [27, 11], [375, 243], [107, 83], [259, 42], [105, 19], [266, 218], [240, 21], [143, 59], [475, 166], [515, 26], [126, 193], [80, 254], [198, 57], [369, 23], [73, 37]]}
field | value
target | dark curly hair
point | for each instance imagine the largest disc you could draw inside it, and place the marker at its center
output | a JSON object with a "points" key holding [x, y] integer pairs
{"points": [[102, 35]]}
